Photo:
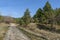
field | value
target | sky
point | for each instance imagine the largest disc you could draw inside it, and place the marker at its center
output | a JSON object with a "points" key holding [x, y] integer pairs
{"points": [[16, 8]]}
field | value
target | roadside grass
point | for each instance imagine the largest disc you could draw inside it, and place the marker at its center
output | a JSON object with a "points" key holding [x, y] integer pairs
{"points": [[32, 35], [39, 34], [3, 30]]}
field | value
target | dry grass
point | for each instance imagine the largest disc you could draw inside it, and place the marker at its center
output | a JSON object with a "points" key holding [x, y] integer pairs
{"points": [[48, 34], [32, 35], [3, 29], [41, 34]]}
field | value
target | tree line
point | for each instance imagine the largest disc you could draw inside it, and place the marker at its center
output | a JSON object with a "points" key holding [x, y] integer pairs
{"points": [[47, 15]]}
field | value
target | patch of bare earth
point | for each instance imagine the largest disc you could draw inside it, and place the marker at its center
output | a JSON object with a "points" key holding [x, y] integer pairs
{"points": [[14, 33]]}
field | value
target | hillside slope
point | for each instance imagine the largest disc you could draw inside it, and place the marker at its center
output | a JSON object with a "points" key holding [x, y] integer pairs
{"points": [[41, 34]]}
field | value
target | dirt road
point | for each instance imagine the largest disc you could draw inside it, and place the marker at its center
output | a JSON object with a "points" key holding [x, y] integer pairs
{"points": [[15, 34]]}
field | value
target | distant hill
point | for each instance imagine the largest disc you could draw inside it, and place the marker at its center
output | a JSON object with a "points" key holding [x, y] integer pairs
{"points": [[6, 19]]}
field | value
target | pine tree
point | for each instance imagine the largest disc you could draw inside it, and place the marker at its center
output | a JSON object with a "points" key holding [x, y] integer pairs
{"points": [[57, 15], [27, 17], [49, 14], [39, 16], [47, 7]]}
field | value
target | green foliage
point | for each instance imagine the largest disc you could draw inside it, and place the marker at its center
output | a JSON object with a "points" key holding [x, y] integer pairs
{"points": [[57, 15], [47, 7], [17, 20], [21, 21], [47, 10], [47, 15], [1, 18], [39, 16], [27, 17]]}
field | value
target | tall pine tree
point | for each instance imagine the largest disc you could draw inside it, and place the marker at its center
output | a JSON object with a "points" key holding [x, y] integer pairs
{"points": [[27, 17], [49, 14], [39, 16]]}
